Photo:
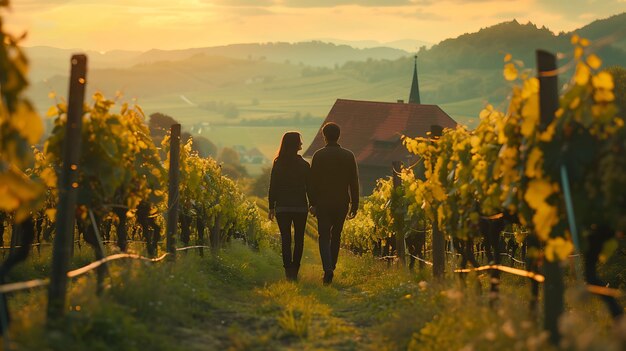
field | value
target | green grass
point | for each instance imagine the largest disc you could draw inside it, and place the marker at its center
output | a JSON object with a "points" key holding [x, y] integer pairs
{"points": [[158, 307], [239, 300]]}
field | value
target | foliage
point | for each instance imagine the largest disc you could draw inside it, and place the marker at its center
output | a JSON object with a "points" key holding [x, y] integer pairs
{"points": [[119, 163], [202, 145], [511, 162], [231, 163], [206, 194], [384, 213], [160, 124], [262, 183], [373, 223], [20, 127], [619, 79]]}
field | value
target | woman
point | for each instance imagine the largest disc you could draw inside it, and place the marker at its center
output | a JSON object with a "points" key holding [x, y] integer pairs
{"points": [[288, 199]]}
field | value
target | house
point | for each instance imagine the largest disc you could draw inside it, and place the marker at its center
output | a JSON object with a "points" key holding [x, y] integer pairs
{"points": [[372, 131]]}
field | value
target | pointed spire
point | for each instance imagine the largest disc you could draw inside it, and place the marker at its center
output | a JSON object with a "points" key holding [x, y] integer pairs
{"points": [[414, 97]]}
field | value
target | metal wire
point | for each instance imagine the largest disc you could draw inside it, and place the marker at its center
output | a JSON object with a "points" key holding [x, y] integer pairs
{"points": [[35, 283], [421, 259]]}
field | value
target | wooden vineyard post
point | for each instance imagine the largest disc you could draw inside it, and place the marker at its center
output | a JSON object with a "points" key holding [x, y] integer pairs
{"points": [[439, 253], [215, 234], [398, 213], [172, 199], [68, 189], [26, 231], [200, 226], [554, 287], [438, 243]]}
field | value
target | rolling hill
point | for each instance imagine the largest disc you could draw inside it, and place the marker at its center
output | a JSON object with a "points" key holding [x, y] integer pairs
{"points": [[230, 86]]}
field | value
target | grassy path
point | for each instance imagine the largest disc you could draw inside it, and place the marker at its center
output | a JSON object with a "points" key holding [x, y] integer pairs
{"points": [[368, 307], [239, 300], [272, 313], [372, 307]]}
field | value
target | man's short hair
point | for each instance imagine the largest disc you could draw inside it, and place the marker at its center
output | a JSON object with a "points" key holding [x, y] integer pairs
{"points": [[331, 131]]}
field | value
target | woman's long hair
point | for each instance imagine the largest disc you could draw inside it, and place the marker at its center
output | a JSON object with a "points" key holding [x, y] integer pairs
{"points": [[289, 146]]}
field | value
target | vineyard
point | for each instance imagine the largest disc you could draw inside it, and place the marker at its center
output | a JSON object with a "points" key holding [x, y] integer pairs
{"points": [[548, 172], [497, 237]]}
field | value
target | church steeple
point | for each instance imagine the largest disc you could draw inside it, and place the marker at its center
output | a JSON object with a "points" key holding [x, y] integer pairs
{"points": [[414, 97]]}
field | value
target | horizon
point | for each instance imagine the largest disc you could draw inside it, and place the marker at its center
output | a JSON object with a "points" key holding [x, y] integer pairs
{"points": [[56, 23]]}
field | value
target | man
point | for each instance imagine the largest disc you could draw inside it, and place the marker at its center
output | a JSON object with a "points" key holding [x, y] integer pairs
{"points": [[334, 194]]}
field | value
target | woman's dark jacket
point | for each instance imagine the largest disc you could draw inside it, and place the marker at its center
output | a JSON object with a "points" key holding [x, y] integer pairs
{"points": [[289, 185]]}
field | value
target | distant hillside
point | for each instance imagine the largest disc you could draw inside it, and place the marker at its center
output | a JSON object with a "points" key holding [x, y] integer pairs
{"points": [[245, 84], [48, 62], [313, 53], [409, 45], [486, 48], [191, 82], [614, 26], [476, 59]]}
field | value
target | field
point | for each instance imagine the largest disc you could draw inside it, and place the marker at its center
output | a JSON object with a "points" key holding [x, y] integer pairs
{"points": [[184, 95]]}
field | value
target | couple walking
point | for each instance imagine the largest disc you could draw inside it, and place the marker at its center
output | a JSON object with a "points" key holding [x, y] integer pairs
{"points": [[330, 183]]}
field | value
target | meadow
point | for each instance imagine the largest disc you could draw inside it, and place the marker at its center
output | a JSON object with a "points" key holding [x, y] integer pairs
{"points": [[239, 300]]}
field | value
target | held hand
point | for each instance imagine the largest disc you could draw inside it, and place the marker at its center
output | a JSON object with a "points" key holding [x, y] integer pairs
{"points": [[313, 211], [271, 214]]}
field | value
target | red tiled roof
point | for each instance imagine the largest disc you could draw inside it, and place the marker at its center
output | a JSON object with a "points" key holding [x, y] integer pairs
{"points": [[372, 130]]}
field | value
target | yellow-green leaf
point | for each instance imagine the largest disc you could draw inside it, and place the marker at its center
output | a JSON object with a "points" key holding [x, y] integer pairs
{"points": [[594, 61], [603, 80], [578, 52], [558, 249], [537, 192], [582, 74], [8, 201], [49, 177], [53, 111], [544, 218], [533, 165], [28, 123], [51, 213], [510, 72], [530, 113]]}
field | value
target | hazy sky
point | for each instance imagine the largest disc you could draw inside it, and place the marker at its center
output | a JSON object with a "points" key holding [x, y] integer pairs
{"points": [[169, 24]]}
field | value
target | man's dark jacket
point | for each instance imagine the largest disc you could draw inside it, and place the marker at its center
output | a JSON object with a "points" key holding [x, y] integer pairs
{"points": [[334, 178]]}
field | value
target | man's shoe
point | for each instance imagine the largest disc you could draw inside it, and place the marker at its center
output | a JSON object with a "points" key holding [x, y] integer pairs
{"points": [[291, 272], [328, 277]]}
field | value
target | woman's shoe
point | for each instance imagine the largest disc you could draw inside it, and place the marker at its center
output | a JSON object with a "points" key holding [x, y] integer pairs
{"points": [[328, 277], [294, 272]]}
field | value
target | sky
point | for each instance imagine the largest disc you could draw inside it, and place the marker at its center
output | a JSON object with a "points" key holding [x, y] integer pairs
{"points": [[141, 25]]}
